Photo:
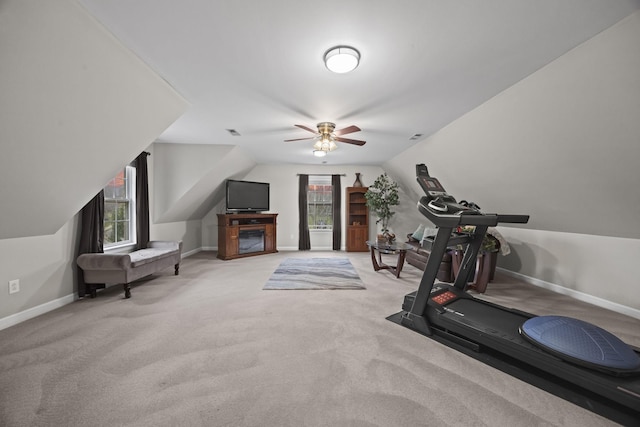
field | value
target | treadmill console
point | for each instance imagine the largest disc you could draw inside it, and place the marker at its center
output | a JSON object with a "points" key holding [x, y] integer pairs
{"points": [[444, 298], [437, 198], [431, 186]]}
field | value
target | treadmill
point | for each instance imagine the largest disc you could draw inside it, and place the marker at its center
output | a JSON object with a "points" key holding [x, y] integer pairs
{"points": [[572, 359]]}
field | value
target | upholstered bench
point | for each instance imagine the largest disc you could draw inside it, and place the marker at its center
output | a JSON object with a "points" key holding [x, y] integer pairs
{"points": [[126, 268]]}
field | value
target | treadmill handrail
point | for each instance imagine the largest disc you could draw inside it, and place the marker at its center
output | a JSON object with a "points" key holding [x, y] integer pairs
{"points": [[513, 218], [472, 218]]}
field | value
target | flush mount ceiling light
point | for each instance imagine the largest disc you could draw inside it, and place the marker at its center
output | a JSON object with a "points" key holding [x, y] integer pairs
{"points": [[341, 59]]}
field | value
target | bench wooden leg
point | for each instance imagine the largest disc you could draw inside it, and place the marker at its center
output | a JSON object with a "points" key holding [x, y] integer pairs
{"points": [[127, 290], [177, 269]]}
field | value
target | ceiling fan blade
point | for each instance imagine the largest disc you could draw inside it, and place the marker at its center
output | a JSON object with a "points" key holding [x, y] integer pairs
{"points": [[351, 141], [347, 130], [306, 128], [299, 139]]}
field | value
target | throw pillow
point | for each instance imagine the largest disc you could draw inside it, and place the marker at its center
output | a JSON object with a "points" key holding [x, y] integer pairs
{"points": [[428, 232], [418, 233]]}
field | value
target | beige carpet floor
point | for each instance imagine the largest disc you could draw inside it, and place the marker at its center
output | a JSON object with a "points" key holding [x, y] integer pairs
{"points": [[211, 348]]}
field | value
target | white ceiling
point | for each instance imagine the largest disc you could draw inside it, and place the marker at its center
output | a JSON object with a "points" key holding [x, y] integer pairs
{"points": [[256, 66]]}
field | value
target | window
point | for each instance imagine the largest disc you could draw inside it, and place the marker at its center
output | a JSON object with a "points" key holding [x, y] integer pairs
{"points": [[319, 203], [120, 209]]}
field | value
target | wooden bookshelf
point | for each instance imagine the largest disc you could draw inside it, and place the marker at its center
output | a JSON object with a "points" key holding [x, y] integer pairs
{"points": [[357, 220]]}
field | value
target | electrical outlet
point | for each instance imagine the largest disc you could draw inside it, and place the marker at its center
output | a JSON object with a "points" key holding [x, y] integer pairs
{"points": [[14, 286]]}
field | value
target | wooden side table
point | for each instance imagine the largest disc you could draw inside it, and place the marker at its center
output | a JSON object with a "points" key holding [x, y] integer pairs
{"points": [[399, 248]]}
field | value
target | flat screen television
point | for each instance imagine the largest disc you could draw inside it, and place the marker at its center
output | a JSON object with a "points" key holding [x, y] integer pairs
{"points": [[247, 196]]}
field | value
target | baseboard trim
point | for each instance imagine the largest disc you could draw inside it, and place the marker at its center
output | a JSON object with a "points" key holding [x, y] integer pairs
{"points": [[600, 302], [280, 248], [30, 313], [192, 252], [318, 249]]}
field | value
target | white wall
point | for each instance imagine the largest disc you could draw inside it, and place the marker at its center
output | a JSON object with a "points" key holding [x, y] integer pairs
{"points": [[284, 202], [161, 173], [582, 264], [562, 145], [76, 106], [45, 267]]}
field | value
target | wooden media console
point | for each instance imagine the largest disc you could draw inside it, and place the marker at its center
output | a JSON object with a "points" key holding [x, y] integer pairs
{"points": [[241, 235]]}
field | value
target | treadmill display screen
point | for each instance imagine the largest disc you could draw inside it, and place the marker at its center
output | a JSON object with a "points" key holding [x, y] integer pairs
{"points": [[432, 184]]}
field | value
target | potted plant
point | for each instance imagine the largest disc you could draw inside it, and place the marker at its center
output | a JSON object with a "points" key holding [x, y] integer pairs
{"points": [[381, 196], [490, 243]]}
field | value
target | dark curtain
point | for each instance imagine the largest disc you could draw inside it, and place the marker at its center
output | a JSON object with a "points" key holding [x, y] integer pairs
{"points": [[91, 236], [337, 208], [304, 240], [142, 201]]}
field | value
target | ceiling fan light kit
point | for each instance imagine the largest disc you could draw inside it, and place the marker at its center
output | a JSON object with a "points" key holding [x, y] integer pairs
{"points": [[326, 137], [341, 59], [324, 145]]}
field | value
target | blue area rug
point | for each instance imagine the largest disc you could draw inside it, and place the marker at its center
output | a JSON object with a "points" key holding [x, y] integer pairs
{"points": [[315, 274]]}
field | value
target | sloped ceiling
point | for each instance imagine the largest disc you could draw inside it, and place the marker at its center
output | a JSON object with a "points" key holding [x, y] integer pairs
{"points": [[562, 145], [256, 66], [76, 107], [190, 178]]}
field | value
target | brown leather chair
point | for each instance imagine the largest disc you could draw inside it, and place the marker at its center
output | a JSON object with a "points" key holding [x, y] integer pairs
{"points": [[418, 256]]}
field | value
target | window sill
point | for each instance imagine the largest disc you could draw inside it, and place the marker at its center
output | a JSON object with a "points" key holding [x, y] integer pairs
{"points": [[127, 247]]}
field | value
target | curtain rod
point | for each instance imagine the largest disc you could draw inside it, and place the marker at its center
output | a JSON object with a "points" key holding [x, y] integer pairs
{"points": [[322, 174]]}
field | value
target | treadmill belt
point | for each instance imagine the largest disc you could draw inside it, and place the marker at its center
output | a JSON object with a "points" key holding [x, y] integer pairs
{"points": [[486, 318]]}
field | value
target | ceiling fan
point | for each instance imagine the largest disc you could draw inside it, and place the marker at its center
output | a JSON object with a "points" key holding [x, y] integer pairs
{"points": [[327, 136]]}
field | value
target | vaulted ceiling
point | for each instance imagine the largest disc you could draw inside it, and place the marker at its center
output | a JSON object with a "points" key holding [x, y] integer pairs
{"points": [[256, 66], [82, 99]]}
